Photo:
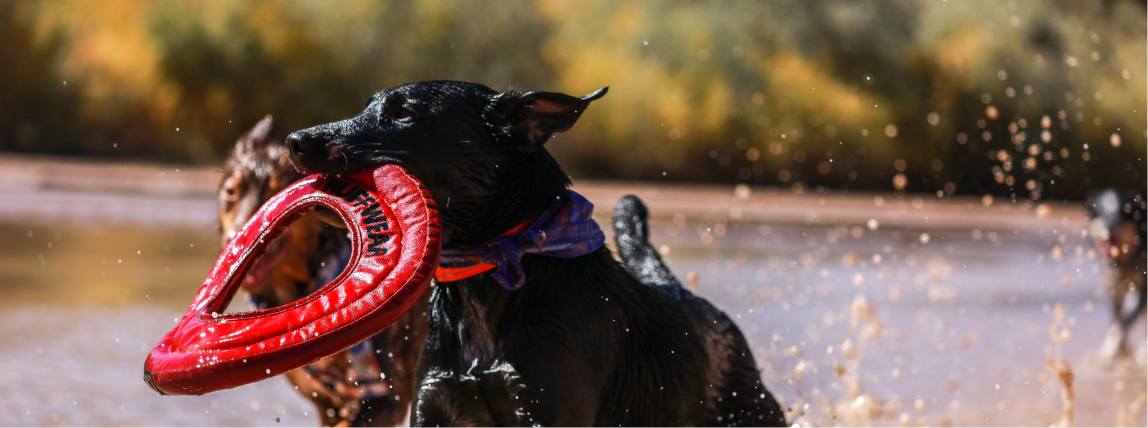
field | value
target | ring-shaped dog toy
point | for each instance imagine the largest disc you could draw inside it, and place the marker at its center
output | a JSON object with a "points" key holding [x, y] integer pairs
{"points": [[395, 239]]}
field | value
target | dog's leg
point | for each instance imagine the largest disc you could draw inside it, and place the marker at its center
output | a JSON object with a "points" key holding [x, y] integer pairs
{"points": [[460, 381], [398, 348], [744, 399], [632, 236], [492, 397], [1115, 341], [741, 399], [506, 397], [326, 403], [1113, 345], [1138, 314]]}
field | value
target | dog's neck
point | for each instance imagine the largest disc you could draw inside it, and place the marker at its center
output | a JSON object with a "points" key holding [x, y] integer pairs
{"points": [[528, 185]]}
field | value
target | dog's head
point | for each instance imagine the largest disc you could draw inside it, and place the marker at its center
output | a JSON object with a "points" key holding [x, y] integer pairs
{"points": [[258, 168], [466, 142], [1117, 224]]}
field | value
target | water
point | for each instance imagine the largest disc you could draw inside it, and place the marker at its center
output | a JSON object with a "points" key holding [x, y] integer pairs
{"points": [[964, 323], [80, 316]]}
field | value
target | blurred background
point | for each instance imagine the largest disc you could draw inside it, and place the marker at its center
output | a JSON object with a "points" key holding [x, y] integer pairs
{"points": [[763, 93], [792, 153]]}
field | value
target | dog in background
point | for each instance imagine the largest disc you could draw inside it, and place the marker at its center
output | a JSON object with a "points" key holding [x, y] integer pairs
{"points": [[583, 341], [370, 384], [1118, 227]]}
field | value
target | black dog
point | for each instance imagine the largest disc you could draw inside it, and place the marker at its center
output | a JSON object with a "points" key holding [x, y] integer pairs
{"points": [[1118, 227], [583, 342]]}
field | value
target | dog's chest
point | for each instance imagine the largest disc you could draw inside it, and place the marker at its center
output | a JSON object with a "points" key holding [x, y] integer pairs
{"points": [[469, 311], [477, 321]]}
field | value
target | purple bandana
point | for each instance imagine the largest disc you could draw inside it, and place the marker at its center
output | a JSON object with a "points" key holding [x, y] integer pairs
{"points": [[565, 230]]}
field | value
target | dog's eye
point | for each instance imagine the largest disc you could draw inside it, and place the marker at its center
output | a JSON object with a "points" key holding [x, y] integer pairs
{"points": [[394, 108], [230, 190], [402, 114]]}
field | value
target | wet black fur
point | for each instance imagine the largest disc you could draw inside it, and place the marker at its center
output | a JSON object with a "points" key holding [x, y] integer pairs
{"points": [[583, 342], [733, 380]]}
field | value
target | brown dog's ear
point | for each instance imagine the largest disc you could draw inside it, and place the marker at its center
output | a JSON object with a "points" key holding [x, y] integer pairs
{"points": [[258, 136], [536, 116]]}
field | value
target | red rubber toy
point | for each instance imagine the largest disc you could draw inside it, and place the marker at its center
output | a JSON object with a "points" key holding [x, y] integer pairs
{"points": [[395, 237]]}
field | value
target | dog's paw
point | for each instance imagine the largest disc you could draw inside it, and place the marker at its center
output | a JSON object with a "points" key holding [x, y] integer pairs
{"points": [[1142, 355], [1113, 348]]}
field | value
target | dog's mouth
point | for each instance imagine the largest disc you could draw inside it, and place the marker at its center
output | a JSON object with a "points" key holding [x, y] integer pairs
{"points": [[336, 152], [341, 159], [287, 267], [257, 277]]}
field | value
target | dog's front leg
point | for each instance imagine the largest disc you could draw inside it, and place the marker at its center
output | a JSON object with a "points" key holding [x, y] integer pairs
{"points": [[1115, 343], [490, 397], [509, 401]]}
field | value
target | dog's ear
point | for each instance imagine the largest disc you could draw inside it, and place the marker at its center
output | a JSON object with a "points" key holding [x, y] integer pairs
{"points": [[258, 136], [534, 117]]}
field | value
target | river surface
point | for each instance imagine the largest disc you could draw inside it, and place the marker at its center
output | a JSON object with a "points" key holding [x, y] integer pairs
{"points": [[892, 324]]}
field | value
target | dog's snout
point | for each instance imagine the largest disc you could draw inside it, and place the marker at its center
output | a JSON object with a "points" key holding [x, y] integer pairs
{"points": [[318, 149], [299, 142]]}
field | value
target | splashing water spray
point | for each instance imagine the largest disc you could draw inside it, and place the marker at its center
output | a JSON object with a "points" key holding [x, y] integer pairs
{"points": [[858, 407], [1060, 331]]}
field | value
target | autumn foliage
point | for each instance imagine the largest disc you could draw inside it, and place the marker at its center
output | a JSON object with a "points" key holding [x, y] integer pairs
{"points": [[1035, 99]]}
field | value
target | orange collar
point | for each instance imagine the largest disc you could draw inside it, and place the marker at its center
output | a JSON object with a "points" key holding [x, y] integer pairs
{"points": [[448, 275]]}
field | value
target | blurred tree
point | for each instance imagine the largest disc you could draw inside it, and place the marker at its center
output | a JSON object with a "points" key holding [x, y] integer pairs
{"points": [[37, 107], [308, 63], [1025, 98]]}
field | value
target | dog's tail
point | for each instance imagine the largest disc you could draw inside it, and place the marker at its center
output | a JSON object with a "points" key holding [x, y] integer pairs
{"points": [[632, 236]]}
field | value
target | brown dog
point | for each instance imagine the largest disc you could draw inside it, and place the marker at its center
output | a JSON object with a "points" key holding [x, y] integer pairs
{"points": [[370, 384]]}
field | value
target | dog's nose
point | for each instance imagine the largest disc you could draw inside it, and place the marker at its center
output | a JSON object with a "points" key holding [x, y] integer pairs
{"points": [[298, 142]]}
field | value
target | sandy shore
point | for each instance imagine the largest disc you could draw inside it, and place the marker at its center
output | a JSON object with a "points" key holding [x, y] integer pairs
{"points": [[38, 190]]}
